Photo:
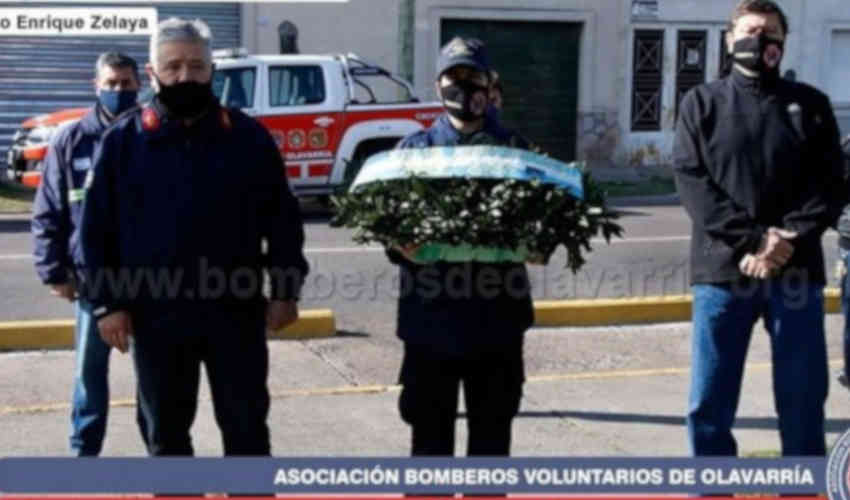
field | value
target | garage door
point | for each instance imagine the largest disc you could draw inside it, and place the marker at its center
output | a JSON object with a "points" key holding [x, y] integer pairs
{"points": [[538, 63], [44, 74]]}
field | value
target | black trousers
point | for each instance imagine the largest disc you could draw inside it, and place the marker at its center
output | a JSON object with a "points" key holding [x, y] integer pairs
{"points": [[170, 343], [492, 387]]}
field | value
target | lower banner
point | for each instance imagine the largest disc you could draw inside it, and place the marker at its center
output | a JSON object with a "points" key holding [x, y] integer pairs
{"points": [[543, 477]]}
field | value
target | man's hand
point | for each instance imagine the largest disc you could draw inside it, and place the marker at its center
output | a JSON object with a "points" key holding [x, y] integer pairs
{"points": [[536, 259], [281, 313], [776, 247], [66, 291], [755, 267], [115, 330]]}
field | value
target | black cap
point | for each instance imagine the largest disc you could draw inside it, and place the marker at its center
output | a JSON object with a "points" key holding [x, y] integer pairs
{"points": [[463, 52]]}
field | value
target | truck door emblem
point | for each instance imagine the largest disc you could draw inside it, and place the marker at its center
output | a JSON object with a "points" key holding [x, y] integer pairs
{"points": [[318, 138], [296, 139]]}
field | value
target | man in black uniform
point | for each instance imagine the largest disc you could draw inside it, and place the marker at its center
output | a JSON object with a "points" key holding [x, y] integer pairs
{"points": [[185, 193], [758, 165], [462, 333]]}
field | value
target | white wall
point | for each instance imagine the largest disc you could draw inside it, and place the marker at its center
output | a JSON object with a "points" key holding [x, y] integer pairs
{"points": [[368, 28], [810, 50]]}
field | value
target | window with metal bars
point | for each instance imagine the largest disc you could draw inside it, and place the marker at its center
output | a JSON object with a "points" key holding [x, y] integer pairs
{"points": [[647, 79], [690, 62]]}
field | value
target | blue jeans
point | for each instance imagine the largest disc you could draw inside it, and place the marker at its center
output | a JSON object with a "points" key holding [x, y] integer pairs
{"points": [[90, 403], [723, 320], [845, 307]]}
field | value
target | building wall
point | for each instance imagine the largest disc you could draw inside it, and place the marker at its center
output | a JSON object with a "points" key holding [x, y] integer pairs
{"points": [[603, 36], [820, 36], [825, 52], [369, 28]]}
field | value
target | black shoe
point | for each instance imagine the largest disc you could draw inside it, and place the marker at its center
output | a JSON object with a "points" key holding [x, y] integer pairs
{"points": [[842, 379]]}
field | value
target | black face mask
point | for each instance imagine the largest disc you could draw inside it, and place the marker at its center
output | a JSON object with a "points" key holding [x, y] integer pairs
{"points": [[760, 54], [465, 101], [186, 99]]}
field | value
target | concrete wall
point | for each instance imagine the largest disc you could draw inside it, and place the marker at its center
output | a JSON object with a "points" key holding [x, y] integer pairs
{"points": [[371, 29], [603, 38], [820, 58], [807, 53], [368, 28]]}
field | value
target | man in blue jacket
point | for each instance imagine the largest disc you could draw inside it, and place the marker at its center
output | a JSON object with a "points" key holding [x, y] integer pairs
{"points": [[189, 206], [55, 227], [454, 333]]}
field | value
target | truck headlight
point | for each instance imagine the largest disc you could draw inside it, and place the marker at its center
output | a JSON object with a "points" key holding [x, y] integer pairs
{"points": [[40, 136]]}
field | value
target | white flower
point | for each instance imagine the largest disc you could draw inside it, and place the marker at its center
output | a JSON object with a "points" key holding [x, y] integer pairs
{"points": [[496, 212]]}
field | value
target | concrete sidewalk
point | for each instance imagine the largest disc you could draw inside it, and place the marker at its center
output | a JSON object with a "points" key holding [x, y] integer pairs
{"points": [[590, 391]]}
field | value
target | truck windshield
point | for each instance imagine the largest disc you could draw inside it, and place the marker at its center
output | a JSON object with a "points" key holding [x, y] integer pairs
{"points": [[234, 87]]}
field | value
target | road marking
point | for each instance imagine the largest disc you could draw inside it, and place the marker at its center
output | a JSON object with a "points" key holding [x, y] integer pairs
{"points": [[378, 389], [374, 249], [19, 256]]}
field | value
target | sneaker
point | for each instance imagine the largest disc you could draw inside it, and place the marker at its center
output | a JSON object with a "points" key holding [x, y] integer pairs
{"points": [[842, 379]]}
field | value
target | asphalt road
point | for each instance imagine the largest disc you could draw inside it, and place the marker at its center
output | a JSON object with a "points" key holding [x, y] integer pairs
{"points": [[360, 284], [590, 391]]}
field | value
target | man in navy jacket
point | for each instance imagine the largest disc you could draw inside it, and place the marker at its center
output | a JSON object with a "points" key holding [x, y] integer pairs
{"points": [[55, 226], [455, 332], [189, 207]]}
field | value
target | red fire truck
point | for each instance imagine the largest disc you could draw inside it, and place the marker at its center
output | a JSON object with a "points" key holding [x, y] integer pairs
{"points": [[327, 113]]}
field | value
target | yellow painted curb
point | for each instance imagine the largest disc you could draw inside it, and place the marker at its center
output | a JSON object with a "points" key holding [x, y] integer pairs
{"points": [[51, 334], [605, 312], [311, 324], [58, 334]]}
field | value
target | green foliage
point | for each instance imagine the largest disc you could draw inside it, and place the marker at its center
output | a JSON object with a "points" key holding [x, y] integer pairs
{"points": [[497, 213]]}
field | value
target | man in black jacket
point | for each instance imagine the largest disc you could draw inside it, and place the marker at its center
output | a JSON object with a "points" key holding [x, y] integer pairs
{"points": [[757, 163], [462, 322]]}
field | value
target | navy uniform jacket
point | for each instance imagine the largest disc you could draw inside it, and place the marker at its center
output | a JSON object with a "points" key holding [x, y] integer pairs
{"points": [[749, 155], [180, 214], [458, 319], [58, 203]]}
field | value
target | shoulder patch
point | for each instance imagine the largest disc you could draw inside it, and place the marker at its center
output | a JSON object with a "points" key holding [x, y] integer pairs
{"points": [[224, 118], [150, 120]]}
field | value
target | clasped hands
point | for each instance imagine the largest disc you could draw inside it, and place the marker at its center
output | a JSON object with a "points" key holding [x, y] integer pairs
{"points": [[774, 252]]}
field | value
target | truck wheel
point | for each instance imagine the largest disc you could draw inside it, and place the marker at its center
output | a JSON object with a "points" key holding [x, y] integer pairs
{"points": [[324, 201]]}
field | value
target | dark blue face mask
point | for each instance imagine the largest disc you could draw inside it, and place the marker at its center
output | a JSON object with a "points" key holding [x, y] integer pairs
{"points": [[117, 101]]}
